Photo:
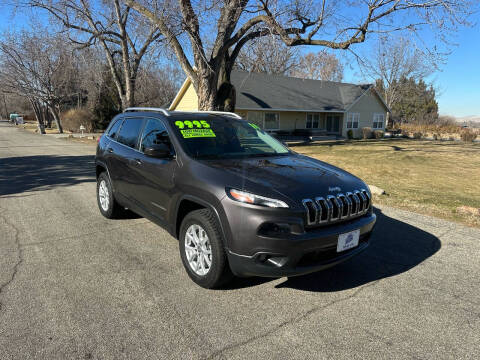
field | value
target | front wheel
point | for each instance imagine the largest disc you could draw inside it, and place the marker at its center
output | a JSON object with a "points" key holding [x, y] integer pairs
{"points": [[202, 251]]}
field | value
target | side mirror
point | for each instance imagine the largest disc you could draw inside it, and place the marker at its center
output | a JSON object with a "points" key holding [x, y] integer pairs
{"points": [[160, 151]]}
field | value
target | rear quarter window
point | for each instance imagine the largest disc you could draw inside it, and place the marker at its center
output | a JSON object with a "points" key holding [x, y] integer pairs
{"points": [[114, 128]]}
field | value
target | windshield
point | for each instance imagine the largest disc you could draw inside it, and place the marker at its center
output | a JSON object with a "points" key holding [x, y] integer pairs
{"points": [[222, 137]]}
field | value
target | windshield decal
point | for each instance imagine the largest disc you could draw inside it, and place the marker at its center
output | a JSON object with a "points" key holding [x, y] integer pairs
{"points": [[197, 133], [192, 124], [256, 127]]}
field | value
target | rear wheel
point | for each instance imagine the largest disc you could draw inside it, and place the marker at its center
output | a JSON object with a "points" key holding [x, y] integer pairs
{"points": [[202, 251], [106, 202]]}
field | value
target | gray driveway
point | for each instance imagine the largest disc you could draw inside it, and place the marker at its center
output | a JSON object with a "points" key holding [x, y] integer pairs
{"points": [[74, 285]]}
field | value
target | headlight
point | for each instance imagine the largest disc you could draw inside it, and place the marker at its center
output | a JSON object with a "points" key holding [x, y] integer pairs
{"points": [[249, 198]]}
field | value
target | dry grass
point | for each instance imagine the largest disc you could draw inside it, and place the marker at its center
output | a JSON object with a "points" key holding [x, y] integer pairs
{"points": [[436, 131], [434, 178]]}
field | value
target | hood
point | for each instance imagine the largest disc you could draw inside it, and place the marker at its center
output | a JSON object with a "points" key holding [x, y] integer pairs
{"points": [[295, 176]]}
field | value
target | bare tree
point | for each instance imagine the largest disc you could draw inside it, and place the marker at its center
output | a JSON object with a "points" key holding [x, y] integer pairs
{"points": [[231, 24], [392, 60], [268, 55], [319, 66], [158, 85], [39, 68], [124, 37]]}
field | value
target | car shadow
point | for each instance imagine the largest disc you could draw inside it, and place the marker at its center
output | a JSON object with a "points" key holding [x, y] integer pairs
{"points": [[395, 247], [43, 172]]}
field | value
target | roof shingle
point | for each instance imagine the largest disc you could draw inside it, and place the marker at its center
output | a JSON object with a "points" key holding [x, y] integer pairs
{"points": [[277, 92]]}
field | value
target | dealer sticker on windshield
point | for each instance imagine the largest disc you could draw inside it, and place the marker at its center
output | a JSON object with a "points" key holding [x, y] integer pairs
{"points": [[197, 133], [348, 240]]}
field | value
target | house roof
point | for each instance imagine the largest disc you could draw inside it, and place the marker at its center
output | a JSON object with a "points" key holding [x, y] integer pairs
{"points": [[261, 91], [277, 92]]}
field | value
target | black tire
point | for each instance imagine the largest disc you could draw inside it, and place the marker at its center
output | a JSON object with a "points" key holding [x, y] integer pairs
{"points": [[219, 273], [114, 210]]}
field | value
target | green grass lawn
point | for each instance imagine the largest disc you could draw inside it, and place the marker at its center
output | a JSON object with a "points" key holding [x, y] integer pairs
{"points": [[429, 177]]}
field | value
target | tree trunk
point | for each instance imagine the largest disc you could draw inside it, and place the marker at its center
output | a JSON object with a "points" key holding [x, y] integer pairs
{"points": [[387, 121], [47, 117], [226, 93], [56, 116], [37, 109], [128, 97], [216, 92]]}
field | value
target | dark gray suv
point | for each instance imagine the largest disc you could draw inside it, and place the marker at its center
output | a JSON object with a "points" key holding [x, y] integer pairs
{"points": [[239, 201]]}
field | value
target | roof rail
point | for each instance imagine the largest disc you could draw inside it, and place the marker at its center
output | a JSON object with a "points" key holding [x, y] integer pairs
{"points": [[220, 113], [163, 111], [168, 113]]}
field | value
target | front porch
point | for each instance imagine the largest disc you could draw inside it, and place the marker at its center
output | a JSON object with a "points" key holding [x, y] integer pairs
{"points": [[296, 123]]}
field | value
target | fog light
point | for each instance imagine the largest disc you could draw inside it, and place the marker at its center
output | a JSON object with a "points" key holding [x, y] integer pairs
{"points": [[272, 229]]}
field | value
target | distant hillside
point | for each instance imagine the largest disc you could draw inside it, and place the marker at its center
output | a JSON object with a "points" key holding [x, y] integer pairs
{"points": [[471, 118]]}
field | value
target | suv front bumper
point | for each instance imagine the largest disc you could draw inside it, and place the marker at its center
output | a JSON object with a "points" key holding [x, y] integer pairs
{"points": [[303, 253]]}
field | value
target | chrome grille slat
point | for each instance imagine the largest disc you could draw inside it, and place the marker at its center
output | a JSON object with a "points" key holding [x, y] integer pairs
{"points": [[333, 208], [333, 200], [356, 199], [322, 209], [347, 204], [363, 201], [306, 203]]}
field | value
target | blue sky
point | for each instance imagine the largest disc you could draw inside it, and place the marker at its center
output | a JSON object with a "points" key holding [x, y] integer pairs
{"points": [[458, 81]]}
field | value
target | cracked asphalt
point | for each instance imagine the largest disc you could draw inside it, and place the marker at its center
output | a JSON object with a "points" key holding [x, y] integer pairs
{"points": [[74, 285]]}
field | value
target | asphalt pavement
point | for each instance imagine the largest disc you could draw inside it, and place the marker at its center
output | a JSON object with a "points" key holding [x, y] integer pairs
{"points": [[74, 285]]}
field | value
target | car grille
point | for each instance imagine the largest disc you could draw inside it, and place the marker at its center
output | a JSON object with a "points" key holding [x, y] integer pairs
{"points": [[325, 210]]}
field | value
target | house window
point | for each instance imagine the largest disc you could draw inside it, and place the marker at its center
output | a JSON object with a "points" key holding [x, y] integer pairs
{"points": [[312, 121], [352, 120], [272, 121], [378, 121]]}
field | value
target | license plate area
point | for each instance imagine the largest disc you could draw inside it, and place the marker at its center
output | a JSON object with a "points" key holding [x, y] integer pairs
{"points": [[348, 240]]}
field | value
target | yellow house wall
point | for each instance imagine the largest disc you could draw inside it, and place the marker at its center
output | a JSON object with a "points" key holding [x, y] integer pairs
{"points": [[189, 100], [368, 105]]}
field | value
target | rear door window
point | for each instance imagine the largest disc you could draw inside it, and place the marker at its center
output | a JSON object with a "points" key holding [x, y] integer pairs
{"points": [[128, 134]]}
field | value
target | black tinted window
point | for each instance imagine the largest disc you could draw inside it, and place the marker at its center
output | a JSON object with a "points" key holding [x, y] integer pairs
{"points": [[154, 133], [129, 132], [114, 129]]}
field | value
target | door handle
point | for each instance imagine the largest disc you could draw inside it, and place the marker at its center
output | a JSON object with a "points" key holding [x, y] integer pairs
{"points": [[110, 150], [138, 161]]}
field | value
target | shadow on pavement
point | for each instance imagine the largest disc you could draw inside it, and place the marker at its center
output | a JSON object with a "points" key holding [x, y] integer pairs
{"points": [[43, 172], [395, 248]]}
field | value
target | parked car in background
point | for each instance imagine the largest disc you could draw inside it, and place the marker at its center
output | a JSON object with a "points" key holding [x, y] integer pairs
{"points": [[16, 119]]}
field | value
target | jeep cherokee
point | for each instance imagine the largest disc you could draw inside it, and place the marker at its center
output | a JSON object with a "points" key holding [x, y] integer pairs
{"points": [[239, 201]]}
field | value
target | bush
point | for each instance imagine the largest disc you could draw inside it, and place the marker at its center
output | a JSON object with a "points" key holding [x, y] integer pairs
{"points": [[73, 118], [417, 135], [378, 134], [367, 132], [468, 135], [350, 134]]}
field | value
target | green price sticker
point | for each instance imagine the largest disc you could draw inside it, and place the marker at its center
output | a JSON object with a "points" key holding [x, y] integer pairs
{"points": [[197, 133], [195, 124], [256, 127]]}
